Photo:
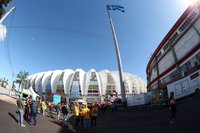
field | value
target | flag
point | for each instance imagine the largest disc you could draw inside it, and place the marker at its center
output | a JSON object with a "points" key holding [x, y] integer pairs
{"points": [[115, 7]]}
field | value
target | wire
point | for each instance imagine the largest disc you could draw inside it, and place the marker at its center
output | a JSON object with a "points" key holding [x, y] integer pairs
{"points": [[59, 29], [74, 31]]}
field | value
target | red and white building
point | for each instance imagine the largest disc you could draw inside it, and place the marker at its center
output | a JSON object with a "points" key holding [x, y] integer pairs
{"points": [[175, 64]]}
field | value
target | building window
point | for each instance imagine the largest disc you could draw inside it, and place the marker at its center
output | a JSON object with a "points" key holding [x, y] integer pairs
{"points": [[154, 86], [169, 77], [184, 68], [195, 60], [159, 55], [166, 79], [126, 87], [174, 37], [166, 46], [187, 21], [75, 89], [110, 90], [173, 75], [153, 74], [198, 57], [93, 89]]}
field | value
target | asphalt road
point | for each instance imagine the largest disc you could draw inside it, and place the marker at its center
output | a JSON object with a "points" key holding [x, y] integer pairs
{"points": [[139, 121]]}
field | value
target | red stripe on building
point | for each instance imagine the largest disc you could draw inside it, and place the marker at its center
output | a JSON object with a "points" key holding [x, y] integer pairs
{"points": [[196, 48], [173, 29]]}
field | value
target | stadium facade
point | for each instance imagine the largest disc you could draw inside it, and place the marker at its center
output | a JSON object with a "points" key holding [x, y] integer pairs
{"points": [[175, 64], [91, 85]]}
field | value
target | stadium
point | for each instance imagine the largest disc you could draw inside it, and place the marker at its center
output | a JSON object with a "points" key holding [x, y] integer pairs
{"points": [[175, 64], [91, 85]]}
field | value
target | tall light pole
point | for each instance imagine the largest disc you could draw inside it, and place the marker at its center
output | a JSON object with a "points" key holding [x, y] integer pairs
{"points": [[123, 95]]}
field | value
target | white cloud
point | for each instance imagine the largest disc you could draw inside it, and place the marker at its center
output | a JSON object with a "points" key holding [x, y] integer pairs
{"points": [[2, 32]]}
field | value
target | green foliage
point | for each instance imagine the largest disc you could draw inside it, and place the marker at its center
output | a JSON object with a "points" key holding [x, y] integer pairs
{"points": [[22, 76], [4, 81], [3, 4]]}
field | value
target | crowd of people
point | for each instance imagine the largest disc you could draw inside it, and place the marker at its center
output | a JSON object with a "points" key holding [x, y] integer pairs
{"points": [[83, 116], [28, 110], [87, 116]]}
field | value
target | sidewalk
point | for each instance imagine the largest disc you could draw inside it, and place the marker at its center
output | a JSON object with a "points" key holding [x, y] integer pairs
{"points": [[11, 100]]}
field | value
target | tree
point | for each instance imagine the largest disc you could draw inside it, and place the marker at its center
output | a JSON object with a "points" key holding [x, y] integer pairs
{"points": [[3, 4], [4, 82], [21, 77]]}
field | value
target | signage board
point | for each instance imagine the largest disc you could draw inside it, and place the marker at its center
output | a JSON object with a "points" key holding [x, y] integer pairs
{"points": [[56, 99]]}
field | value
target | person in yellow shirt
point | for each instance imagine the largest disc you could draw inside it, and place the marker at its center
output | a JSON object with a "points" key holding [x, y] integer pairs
{"points": [[94, 114], [81, 114], [86, 117], [26, 109], [76, 113], [44, 107]]}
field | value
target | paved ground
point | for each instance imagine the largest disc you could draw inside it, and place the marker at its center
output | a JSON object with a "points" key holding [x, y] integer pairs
{"points": [[156, 121]]}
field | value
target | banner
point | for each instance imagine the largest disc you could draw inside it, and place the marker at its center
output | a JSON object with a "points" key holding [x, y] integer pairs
{"points": [[56, 99]]}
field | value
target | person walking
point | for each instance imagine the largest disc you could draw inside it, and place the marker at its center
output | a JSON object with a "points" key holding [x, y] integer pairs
{"points": [[173, 109], [58, 110], [34, 111], [26, 109], [38, 105], [86, 117], [66, 115], [44, 107], [76, 113], [113, 106], [94, 114], [64, 112], [51, 105], [20, 112], [81, 114]]}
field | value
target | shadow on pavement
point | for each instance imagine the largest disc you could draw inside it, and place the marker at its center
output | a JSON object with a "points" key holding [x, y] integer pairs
{"points": [[50, 116], [57, 122], [13, 116], [64, 128]]}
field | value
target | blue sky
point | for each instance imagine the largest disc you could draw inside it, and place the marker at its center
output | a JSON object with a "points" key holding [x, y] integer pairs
{"points": [[47, 35]]}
